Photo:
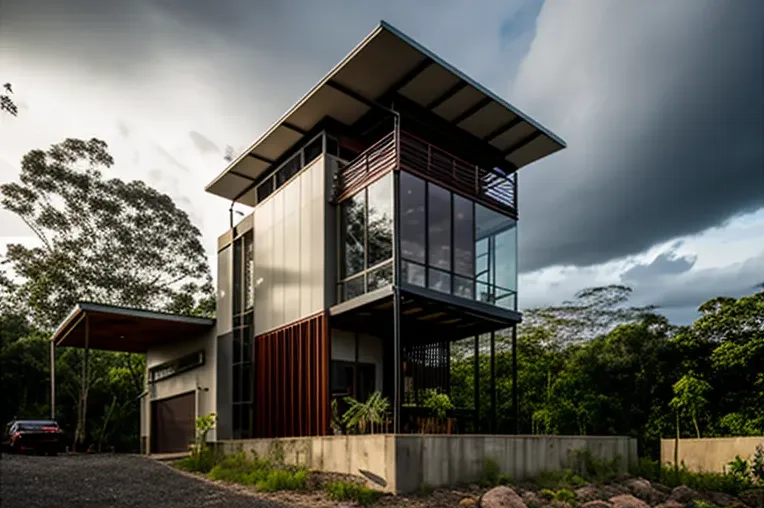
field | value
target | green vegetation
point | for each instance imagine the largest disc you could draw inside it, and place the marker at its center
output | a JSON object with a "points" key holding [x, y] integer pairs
{"points": [[491, 474], [349, 491], [369, 416], [100, 239], [596, 366], [728, 483], [263, 474], [565, 496], [202, 459], [438, 403]]}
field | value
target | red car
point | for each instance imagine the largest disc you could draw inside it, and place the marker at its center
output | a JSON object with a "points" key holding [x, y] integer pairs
{"points": [[36, 436]]}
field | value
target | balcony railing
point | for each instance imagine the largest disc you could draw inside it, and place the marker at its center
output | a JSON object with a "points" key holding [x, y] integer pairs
{"points": [[490, 187]]}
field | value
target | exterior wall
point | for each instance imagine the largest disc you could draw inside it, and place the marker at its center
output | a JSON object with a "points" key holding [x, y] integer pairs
{"points": [[369, 351], [203, 377], [710, 454], [402, 463], [289, 243]]}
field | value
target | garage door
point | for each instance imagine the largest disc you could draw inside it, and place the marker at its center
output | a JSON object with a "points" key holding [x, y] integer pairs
{"points": [[172, 423]]}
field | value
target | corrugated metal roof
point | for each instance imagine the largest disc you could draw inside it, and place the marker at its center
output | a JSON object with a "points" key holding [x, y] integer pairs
{"points": [[389, 61]]}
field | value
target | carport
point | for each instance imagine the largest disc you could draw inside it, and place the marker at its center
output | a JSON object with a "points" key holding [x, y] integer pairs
{"points": [[129, 330]]}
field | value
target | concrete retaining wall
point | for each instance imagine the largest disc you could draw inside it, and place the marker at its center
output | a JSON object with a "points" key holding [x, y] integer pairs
{"points": [[710, 454], [402, 463]]}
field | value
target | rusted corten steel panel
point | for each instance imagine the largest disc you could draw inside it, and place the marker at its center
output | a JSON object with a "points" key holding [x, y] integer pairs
{"points": [[292, 380]]}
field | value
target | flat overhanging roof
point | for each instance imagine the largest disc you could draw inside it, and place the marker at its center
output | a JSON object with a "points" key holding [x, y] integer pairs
{"points": [[385, 62], [124, 329]]}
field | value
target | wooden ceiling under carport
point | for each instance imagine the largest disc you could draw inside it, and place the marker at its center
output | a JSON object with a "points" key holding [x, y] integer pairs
{"points": [[387, 62], [426, 316], [112, 328]]}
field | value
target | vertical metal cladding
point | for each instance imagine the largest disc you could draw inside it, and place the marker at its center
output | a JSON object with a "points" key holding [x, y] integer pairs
{"points": [[292, 380]]}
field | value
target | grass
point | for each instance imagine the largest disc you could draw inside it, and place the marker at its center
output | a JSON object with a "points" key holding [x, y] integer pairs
{"points": [[349, 491], [263, 474]]}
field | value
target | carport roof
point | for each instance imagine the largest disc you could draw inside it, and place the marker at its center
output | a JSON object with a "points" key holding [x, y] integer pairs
{"points": [[389, 62], [129, 330]]}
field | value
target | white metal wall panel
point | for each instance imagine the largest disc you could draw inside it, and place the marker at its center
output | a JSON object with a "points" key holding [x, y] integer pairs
{"points": [[224, 301], [289, 251]]}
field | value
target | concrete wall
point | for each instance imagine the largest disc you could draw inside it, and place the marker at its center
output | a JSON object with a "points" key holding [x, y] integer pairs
{"points": [[224, 300], [369, 351], [203, 377], [402, 463], [290, 250], [710, 454]]}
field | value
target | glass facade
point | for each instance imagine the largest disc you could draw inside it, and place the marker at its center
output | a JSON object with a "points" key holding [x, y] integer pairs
{"points": [[243, 336], [366, 239], [452, 245]]}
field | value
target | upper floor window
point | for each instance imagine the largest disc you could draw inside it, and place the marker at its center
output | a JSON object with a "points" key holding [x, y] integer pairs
{"points": [[452, 245], [366, 239]]}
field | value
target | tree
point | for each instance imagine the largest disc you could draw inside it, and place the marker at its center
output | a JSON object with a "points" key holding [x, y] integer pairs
{"points": [[6, 103], [689, 397], [102, 240]]}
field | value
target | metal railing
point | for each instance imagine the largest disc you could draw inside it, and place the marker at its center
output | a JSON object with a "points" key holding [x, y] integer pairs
{"points": [[490, 187]]}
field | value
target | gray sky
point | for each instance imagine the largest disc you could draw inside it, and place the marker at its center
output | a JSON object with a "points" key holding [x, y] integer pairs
{"points": [[661, 103]]}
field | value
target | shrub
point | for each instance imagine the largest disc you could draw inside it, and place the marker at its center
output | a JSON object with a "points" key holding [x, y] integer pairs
{"points": [[282, 479], [548, 480], [728, 483], [547, 494], [565, 495], [349, 491], [591, 468], [200, 462]]}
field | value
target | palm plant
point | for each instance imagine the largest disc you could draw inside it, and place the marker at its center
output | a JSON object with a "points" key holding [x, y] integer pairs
{"points": [[365, 416]]}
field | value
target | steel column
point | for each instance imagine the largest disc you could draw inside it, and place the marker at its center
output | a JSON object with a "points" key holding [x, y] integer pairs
{"points": [[52, 380], [477, 383], [515, 407], [493, 383]]}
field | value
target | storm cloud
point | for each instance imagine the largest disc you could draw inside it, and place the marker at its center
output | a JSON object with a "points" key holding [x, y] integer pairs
{"points": [[662, 105]]}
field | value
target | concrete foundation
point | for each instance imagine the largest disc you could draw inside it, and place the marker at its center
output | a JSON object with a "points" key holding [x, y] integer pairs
{"points": [[402, 463]]}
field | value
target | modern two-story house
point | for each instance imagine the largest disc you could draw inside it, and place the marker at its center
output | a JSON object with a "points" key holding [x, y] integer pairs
{"points": [[382, 226]]}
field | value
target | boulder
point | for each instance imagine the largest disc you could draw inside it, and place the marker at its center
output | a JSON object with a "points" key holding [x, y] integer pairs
{"points": [[532, 500], [662, 488], [670, 504], [467, 502], [722, 499], [684, 494], [502, 497], [558, 504], [753, 497], [627, 501], [642, 489], [612, 490], [589, 493], [597, 504]]}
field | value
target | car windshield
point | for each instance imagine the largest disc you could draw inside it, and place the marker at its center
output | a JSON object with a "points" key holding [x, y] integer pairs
{"points": [[35, 425]]}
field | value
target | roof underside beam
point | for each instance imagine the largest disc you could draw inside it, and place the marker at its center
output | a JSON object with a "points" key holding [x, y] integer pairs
{"points": [[523, 142], [446, 95]]}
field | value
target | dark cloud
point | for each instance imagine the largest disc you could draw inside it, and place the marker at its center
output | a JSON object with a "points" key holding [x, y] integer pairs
{"points": [[203, 144], [666, 263], [663, 110]]}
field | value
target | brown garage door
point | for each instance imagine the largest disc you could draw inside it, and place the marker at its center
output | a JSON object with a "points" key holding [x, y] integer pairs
{"points": [[172, 423]]}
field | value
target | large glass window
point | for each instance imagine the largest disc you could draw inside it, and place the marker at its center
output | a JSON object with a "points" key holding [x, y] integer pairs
{"points": [[353, 224], [412, 217], [439, 227], [243, 336], [496, 257], [470, 250], [366, 239]]}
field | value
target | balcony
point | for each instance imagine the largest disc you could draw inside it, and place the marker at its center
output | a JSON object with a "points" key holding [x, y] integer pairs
{"points": [[492, 188]]}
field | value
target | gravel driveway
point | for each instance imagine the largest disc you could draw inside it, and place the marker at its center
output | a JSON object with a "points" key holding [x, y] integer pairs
{"points": [[86, 481]]}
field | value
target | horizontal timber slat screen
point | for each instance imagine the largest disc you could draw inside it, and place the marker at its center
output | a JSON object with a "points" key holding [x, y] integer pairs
{"points": [[292, 380]]}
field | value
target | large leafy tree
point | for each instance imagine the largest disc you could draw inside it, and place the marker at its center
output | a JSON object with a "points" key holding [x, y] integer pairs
{"points": [[102, 239]]}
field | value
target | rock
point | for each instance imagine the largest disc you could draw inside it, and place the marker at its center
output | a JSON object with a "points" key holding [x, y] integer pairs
{"points": [[599, 503], [502, 497], [532, 500], [670, 504], [627, 501], [684, 494], [753, 497], [467, 501], [722, 499], [642, 489], [588, 493], [662, 488], [612, 490], [558, 504]]}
